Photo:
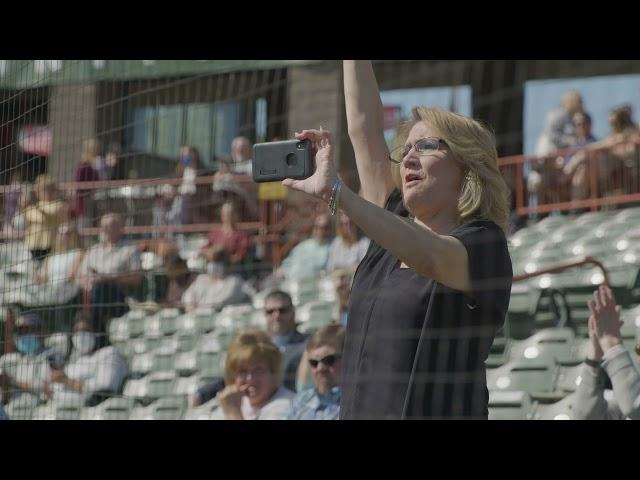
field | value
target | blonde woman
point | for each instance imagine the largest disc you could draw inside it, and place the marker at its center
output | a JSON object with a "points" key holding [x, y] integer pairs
{"points": [[253, 381], [433, 289], [43, 215]]}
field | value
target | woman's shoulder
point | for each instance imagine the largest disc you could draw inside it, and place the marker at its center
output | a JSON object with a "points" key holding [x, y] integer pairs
{"points": [[479, 225]]}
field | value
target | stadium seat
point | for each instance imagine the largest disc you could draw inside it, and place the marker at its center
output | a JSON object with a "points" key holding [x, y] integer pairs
{"points": [[130, 325], [162, 323], [509, 405], [234, 318], [550, 343], [314, 315], [166, 408], [302, 290], [22, 408], [527, 375], [141, 364], [114, 408], [554, 409], [202, 412]]}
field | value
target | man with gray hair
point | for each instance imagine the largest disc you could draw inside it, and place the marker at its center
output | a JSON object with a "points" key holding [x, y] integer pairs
{"points": [[110, 269]]}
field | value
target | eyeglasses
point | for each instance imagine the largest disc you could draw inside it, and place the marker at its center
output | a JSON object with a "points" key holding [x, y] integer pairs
{"points": [[270, 311], [256, 372], [424, 146], [329, 360]]}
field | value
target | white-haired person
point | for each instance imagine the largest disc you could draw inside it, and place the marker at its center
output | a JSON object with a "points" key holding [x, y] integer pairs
{"points": [[433, 289], [607, 361]]}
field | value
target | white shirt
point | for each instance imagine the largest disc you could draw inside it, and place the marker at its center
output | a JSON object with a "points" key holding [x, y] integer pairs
{"points": [[102, 370], [342, 255], [208, 292], [277, 408], [120, 258]]}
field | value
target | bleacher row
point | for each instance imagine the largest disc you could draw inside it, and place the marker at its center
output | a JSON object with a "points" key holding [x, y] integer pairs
{"points": [[534, 364], [171, 354]]}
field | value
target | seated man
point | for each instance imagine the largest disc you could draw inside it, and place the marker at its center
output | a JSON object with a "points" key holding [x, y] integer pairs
{"points": [[24, 372], [110, 269], [310, 256], [92, 373], [216, 288], [323, 352]]}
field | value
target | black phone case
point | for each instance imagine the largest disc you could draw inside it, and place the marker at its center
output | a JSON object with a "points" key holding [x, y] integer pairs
{"points": [[279, 160]]}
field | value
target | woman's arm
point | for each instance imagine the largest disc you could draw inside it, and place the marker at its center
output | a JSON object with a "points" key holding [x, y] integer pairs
{"points": [[439, 257], [365, 122]]}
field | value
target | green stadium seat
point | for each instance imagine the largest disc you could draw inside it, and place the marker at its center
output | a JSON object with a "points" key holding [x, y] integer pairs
{"points": [[550, 343], [302, 290], [164, 357], [160, 384], [234, 318], [555, 409], [114, 408], [141, 364], [527, 375], [509, 405], [186, 363], [162, 323], [314, 315], [130, 325], [22, 408], [202, 412], [166, 408]]}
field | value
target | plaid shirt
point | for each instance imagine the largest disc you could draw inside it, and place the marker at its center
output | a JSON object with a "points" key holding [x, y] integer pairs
{"points": [[310, 405]]}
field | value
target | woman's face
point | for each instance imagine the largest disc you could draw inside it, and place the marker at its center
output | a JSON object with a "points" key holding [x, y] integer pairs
{"points": [[347, 227], [257, 381], [430, 182]]}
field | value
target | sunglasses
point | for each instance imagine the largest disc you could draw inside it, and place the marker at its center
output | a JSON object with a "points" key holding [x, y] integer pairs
{"points": [[329, 360], [424, 146], [270, 311]]}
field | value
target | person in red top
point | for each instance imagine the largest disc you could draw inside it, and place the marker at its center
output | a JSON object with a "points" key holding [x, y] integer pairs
{"points": [[85, 172], [227, 236]]}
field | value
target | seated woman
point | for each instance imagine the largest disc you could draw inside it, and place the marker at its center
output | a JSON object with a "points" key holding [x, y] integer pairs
{"points": [[254, 388], [180, 278], [216, 288], [349, 246], [234, 241], [58, 271], [93, 371]]}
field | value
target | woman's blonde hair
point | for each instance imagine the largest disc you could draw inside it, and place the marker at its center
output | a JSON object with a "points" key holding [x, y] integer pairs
{"points": [[484, 193], [251, 345], [90, 149]]}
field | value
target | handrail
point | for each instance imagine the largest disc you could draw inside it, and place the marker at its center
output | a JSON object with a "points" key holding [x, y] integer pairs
{"points": [[566, 266]]}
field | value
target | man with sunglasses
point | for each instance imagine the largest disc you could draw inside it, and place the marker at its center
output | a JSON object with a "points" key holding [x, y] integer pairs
{"points": [[280, 316], [323, 353]]}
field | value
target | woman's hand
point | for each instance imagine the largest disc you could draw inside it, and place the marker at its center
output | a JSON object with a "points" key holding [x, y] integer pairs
{"points": [[230, 399], [322, 181], [606, 318]]}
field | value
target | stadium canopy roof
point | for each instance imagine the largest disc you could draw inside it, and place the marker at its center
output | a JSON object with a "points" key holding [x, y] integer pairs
{"points": [[39, 73]]}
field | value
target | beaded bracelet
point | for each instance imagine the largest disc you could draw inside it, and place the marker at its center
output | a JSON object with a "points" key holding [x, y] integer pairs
{"points": [[333, 199]]}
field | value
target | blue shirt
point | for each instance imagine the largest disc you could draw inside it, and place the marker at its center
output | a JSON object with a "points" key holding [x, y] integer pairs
{"points": [[310, 405]]}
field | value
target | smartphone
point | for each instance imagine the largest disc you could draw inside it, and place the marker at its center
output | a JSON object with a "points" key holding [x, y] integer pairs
{"points": [[279, 160]]}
